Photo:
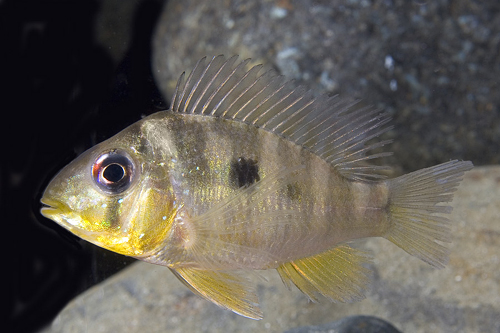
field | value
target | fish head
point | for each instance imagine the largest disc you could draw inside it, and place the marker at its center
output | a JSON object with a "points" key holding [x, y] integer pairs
{"points": [[116, 195]]}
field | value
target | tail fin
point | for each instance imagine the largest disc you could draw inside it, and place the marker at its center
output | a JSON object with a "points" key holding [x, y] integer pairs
{"points": [[414, 201]]}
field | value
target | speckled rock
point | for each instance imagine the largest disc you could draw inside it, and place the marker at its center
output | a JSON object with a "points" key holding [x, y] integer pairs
{"points": [[433, 65], [412, 296]]}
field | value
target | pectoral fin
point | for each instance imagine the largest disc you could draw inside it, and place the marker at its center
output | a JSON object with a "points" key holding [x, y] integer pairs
{"points": [[338, 274], [227, 290]]}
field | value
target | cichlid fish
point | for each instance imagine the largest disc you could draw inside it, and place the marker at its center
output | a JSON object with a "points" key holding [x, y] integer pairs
{"points": [[244, 172]]}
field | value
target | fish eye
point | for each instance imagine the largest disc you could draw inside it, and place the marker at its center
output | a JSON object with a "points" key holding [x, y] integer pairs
{"points": [[113, 171]]}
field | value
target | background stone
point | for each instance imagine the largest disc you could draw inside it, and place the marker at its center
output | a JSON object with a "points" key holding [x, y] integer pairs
{"points": [[412, 296], [433, 65], [351, 324]]}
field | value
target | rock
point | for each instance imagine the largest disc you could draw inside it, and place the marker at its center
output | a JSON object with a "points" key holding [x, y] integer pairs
{"points": [[433, 65], [353, 324], [412, 296]]}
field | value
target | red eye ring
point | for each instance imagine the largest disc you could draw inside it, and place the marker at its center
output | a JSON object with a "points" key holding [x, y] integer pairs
{"points": [[113, 171]]}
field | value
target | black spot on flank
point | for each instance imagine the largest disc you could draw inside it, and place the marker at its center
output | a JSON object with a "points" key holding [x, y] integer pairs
{"points": [[244, 172]]}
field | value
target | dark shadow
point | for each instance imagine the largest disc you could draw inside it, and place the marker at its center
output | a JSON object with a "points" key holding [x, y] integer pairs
{"points": [[61, 94]]}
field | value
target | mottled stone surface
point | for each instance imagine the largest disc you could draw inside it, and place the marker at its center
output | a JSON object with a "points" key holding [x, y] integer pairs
{"points": [[433, 65], [412, 296]]}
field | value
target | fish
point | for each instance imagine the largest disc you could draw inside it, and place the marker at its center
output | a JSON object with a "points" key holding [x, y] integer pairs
{"points": [[247, 172]]}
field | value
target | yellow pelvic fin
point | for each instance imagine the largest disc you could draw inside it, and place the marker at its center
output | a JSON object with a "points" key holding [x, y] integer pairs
{"points": [[227, 290], [337, 274]]}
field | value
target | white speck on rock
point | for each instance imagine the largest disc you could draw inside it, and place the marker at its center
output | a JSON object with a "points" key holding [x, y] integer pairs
{"points": [[389, 62], [278, 12], [393, 85]]}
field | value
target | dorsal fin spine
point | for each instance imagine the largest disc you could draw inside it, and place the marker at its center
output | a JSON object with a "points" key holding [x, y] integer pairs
{"points": [[236, 69], [215, 61], [334, 133], [254, 97], [279, 113], [253, 71], [227, 64], [332, 125], [362, 141], [258, 119], [346, 139], [175, 99], [288, 121], [195, 88], [281, 100], [261, 103], [302, 137], [303, 109], [188, 83]]}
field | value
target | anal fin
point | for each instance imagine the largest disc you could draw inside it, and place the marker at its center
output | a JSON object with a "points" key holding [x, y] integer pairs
{"points": [[227, 290], [337, 274]]}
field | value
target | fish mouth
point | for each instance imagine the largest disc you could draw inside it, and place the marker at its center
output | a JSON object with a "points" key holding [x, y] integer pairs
{"points": [[59, 213], [50, 208]]}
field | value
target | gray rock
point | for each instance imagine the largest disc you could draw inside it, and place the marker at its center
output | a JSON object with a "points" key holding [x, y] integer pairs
{"points": [[353, 324], [433, 65], [412, 296]]}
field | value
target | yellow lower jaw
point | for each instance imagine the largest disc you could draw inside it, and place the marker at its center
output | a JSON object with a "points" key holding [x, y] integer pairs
{"points": [[49, 212], [62, 216], [51, 208]]}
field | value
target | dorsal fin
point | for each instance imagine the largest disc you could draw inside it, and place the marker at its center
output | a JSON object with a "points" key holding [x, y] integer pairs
{"points": [[334, 130]]}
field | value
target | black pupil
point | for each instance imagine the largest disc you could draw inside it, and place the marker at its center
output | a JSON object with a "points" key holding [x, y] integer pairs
{"points": [[113, 173]]}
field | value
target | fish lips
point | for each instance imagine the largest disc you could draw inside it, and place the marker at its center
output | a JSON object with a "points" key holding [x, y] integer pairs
{"points": [[61, 214]]}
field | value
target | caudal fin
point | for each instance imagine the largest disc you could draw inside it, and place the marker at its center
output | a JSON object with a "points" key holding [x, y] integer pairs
{"points": [[416, 207]]}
